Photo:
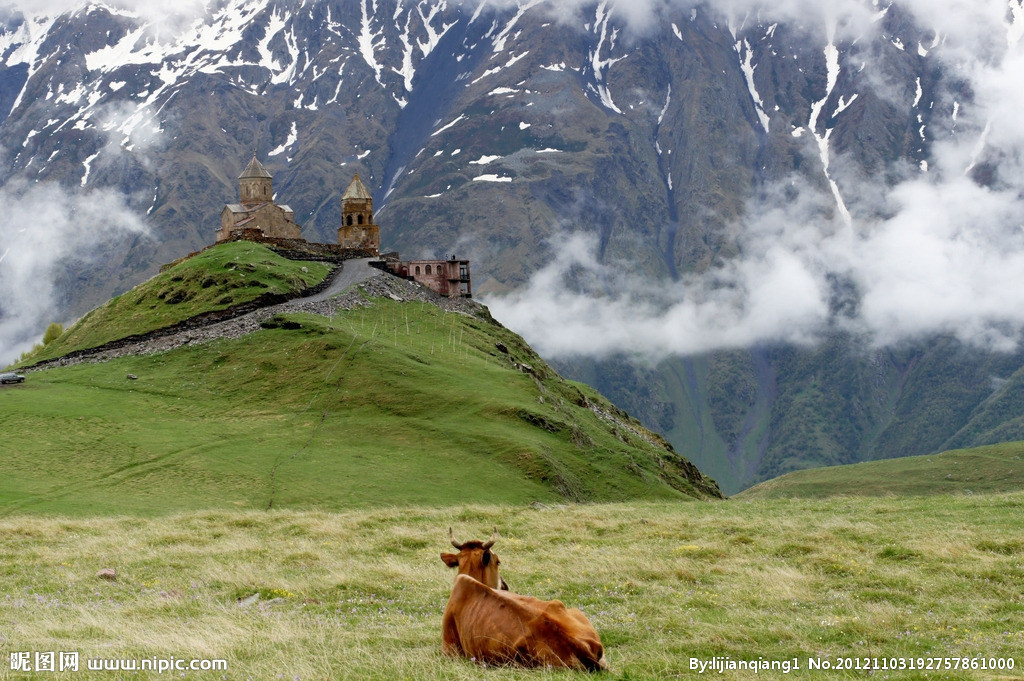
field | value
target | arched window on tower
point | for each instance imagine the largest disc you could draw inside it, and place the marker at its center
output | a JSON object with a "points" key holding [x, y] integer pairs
{"points": [[360, 218], [417, 269], [428, 269], [349, 221]]}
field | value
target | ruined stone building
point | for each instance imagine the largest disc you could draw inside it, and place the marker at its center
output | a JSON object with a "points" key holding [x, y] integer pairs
{"points": [[449, 278], [256, 209]]}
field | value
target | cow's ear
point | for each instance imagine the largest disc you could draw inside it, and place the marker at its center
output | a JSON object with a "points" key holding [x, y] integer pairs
{"points": [[503, 586], [486, 560], [450, 559]]}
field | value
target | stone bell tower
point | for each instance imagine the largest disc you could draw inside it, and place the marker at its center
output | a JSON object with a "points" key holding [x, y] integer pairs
{"points": [[357, 228], [255, 184]]}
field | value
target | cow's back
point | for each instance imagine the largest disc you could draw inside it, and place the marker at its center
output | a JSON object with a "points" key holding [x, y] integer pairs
{"points": [[499, 627]]}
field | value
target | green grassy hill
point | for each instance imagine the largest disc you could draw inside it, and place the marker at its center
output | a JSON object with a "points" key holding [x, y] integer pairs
{"points": [[992, 469], [218, 278], [388, 403]]}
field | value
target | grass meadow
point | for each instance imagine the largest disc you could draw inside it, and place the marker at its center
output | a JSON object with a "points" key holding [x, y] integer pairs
{"points": [[359, 594], [995, 468]]}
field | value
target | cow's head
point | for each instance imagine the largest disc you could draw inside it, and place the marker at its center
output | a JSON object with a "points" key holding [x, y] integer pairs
{"points": [[476, 559]]}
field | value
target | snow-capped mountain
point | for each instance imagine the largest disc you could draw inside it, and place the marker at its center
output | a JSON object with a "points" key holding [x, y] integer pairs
{"points": [[611, 147]]}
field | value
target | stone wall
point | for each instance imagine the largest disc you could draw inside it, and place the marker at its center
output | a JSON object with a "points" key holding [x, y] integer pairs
{"points": [[293, 249]]}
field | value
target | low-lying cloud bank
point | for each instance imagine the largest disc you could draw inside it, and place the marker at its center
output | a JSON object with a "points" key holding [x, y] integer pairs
{"points": [[46, 230], [947, 262]]}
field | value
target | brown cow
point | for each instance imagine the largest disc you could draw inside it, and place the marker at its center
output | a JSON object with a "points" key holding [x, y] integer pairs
{"points": [[487, 623]]}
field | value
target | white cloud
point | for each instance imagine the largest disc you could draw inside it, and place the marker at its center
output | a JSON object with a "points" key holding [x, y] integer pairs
{"points": [[45, 229], [147, 10]]}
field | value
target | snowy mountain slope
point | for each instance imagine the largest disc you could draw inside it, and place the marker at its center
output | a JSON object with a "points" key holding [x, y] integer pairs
{"points": [[501, 131]]}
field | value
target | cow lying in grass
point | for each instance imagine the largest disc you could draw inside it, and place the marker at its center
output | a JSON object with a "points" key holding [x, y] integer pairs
{"points": [[486, 622]]}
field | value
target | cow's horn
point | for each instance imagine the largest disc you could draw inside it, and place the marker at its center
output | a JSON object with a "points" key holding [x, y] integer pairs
{"points": [[451, 535], [490, 542]]}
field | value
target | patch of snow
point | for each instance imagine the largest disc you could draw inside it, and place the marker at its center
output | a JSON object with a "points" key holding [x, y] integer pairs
{"points": [[502, 38], [498, 69], [502, 91], [440, 130], [664, 109], [917, 95], [549, 151], [555, 67], [484, 160], [88, 167], [293, 137], [832, 71], [368, 40], [491, 178], [524, 126], [599, 65], [843, 104], [747, 66]]}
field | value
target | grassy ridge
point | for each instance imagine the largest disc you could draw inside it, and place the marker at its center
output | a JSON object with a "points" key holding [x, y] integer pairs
{"points": [[992, 469], [216, 279], [359, 594], [397, 403]]}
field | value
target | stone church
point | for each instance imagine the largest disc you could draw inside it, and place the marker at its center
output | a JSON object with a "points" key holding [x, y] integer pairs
{"points": [[257, 218], [256, 209]]}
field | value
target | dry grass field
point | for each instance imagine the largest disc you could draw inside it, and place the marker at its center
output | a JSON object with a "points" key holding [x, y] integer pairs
{"points": [[359, 594]]}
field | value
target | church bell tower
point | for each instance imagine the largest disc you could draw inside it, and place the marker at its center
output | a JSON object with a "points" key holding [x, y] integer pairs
{"points": [[357, 228], [255, 184]]}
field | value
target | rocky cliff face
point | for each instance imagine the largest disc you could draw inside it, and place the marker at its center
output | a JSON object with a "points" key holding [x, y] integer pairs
{"points": [[639, 148]]}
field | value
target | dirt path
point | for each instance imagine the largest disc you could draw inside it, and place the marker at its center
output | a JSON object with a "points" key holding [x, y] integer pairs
{"points": [[352, 272]]}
